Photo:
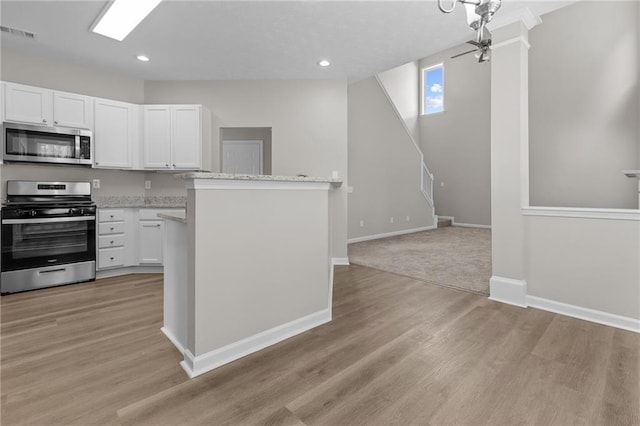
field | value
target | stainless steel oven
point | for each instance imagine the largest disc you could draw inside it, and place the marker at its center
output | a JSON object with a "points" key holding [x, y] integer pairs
{"points": [[48, 235]]}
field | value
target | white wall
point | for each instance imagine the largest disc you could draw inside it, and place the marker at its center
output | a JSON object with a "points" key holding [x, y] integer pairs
{"points": [[308, 119], [584, 85], [403, 86], [21, 68], [384, 167], [456, 143], [591, 263]]}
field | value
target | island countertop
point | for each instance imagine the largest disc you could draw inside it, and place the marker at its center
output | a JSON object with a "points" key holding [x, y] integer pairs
{"points": [[270, 178], [176, 217]]}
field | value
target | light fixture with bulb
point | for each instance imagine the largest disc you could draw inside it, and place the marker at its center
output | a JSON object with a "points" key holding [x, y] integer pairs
{"points": [[324, 63], [143, 58]]}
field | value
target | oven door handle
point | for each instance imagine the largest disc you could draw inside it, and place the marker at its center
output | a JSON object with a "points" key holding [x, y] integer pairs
{"points": [[48, 220]]}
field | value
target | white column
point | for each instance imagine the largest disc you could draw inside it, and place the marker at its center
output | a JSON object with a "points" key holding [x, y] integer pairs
{"points": [[509, 154]]}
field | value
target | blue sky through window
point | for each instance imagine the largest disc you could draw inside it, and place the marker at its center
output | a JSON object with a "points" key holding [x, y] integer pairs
{"points": [[433, 96]]}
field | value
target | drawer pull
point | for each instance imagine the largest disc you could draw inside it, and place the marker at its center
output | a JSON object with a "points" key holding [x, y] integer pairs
{"points": [[111, 228], [111, 241], [111, 258]]}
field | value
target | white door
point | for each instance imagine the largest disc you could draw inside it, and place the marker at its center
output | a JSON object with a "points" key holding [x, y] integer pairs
{"points": [[71, 110], [242, 157], [28, 104], [157, 137], [186, 138], [113, 137]]}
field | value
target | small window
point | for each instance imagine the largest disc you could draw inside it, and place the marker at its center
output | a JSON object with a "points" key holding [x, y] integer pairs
{"points": [[433, 89]]}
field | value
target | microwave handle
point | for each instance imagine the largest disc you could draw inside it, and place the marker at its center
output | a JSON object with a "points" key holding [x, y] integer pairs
{"points": [[77, 147]]}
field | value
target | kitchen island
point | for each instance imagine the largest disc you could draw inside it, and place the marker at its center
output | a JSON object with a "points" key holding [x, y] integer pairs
{"points": [[248, 266]]}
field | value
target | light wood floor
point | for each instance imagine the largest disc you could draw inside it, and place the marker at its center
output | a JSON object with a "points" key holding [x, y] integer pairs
{"points": [[398, 351]]}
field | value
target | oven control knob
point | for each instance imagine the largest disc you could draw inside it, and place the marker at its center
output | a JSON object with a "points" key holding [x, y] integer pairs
{"points": [[32, 213]]}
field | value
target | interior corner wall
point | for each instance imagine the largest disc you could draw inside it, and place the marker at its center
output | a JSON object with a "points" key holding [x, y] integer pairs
{"points": [[308, 119], [384, 167], [403, 86], [584, 106], [457, 142]]}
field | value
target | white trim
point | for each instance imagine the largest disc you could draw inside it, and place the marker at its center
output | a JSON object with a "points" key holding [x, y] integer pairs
{"points": [[390, 234], [197, 365], [256, 184], [525, 15], [173, 339], [115, 272], [508, 290], [520, 39], [470, 225], [464, 225], [587, 213], [587, 314], [340, 261]]}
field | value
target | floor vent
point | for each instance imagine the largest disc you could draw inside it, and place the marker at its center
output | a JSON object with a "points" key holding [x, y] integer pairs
{"points": [[19, 33]]}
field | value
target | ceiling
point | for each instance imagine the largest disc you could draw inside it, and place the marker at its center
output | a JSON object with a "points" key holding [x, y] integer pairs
{"points": [[245, 40]]}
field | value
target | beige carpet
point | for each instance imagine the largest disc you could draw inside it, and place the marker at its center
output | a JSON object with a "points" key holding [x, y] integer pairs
{"points": [[451, 257]]}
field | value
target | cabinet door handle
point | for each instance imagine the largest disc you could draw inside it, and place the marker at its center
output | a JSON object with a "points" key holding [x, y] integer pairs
{"points": [[111, 241], [111, 228], [111, 216], [166, 165], [44, 120], [158, 226], [174, 165], [55, 122], [111, 258], [97, 163]]}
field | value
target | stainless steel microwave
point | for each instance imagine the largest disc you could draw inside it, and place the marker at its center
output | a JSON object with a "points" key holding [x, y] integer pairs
{"points": [[40, 144]]}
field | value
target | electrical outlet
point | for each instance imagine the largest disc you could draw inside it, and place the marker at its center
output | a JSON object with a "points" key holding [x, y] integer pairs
{"points": [[361, 223], [441, 184], [96, 184], [408, 218], [147, 184], [334, 174], [349, 189], [391, 219]]}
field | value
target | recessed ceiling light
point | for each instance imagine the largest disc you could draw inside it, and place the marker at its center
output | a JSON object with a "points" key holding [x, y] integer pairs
{"points": [[122, 17], [143, 58], [324, 63]]}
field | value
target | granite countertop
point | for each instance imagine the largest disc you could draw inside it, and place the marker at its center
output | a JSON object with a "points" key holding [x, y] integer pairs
{"points": [[139, 201], [228, 176], [632, 173], [176, 217]]}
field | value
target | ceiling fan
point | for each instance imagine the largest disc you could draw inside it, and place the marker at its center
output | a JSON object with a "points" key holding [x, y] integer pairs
{"points": [[482, 50]]}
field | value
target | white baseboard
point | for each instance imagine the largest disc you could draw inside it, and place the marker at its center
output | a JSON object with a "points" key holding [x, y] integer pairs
{"points": [[197, 365], [507, 290], [340, 261], [390, 234], [470, 225], [173, 340], [587, 314], [107, 273], [463, 225]]}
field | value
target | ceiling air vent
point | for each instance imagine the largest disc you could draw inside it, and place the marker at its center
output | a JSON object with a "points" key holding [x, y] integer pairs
{"points": [[19, 33]]}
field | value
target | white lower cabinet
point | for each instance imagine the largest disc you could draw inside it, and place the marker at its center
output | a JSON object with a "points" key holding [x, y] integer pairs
{"points": [[151, 233], [130, 237], [116, 243]]}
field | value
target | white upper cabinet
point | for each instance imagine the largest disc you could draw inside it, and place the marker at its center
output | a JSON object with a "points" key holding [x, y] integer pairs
{"points": [[72, 110], [186, 137], [176, 137], [157, 137], [116, 134], [28, 104], [35, 105]]}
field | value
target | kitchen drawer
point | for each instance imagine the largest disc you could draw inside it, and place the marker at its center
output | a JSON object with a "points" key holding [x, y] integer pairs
{"points": [[108, 258], [110, 228], [110, 215], [107, 241]]}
